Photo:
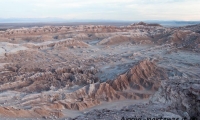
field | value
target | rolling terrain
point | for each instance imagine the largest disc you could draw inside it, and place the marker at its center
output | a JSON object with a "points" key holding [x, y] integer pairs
{"points": [[100, 72]]}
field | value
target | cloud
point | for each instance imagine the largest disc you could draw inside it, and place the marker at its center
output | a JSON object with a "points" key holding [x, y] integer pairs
{"points": [[103, 9]]}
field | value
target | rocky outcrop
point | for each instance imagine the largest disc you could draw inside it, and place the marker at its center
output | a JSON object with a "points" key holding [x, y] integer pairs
{"points": [[182, 39], [146, 24], [138, 83], [68, 43], [37, 80], [175, 99], [119, 39], [141, 81], [139, 33], [33, 113], [182, 96]]}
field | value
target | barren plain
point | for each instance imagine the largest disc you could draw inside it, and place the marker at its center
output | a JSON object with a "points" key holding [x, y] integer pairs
{"points": [[100, 72]]}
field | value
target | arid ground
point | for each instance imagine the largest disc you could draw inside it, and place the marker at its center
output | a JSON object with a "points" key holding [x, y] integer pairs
{"points": [[100, 72]]}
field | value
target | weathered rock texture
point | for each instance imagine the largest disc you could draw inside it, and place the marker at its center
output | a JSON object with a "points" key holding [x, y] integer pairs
{"points": [[47, 72], [174, 99]]}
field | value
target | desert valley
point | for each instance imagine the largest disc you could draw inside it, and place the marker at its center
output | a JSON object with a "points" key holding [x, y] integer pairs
{"points": [[100, 72]]}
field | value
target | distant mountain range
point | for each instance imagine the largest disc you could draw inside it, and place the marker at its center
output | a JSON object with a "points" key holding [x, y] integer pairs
{"points": [[61, 20], [51, 19], [174, 22], [30, 20]]}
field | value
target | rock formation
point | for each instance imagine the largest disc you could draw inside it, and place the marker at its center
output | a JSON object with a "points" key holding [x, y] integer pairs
{"points": [[58, 72]]}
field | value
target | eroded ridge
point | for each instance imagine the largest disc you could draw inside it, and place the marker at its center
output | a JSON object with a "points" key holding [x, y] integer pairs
{"points": [[99, 72]]}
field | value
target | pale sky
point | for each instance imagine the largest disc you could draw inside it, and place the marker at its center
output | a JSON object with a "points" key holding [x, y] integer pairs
{"points": [[102, 9]]}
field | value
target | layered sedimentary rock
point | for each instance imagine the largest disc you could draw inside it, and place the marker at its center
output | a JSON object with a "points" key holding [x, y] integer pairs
{"points": [[139, 82], [39, 79], [178, 99]]}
